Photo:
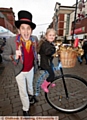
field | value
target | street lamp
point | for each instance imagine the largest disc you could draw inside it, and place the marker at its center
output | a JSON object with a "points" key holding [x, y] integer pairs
{"points": [[74, 25], [81, 15]]}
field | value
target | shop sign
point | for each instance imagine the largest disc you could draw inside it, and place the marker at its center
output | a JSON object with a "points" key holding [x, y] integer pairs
{"points": [[79, 30]]}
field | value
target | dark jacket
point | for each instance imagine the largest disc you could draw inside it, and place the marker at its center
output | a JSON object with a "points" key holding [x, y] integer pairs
{"points": [[47, 49], [85, 46]]}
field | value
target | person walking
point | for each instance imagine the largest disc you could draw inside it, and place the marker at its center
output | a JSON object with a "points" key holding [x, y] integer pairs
{"points": [[46, 50], [84, 39], [84, 47], [76, 44], [21, 52]]}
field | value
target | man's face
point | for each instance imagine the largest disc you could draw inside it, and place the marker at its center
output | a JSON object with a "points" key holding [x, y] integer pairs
{"points": [[25, 30]]}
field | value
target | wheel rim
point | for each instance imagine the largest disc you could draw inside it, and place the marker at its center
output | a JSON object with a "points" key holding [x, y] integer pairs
{"points": [[77, 100]]}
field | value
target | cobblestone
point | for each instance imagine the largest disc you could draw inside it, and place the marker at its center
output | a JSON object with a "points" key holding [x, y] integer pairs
{"points": [[10, 103]]}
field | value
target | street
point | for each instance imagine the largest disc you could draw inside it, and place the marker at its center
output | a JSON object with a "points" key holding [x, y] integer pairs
{"points": [[10, 104]]}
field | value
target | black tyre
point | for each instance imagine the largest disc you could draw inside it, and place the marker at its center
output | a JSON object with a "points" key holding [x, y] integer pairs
{"points": [[77, 94]]}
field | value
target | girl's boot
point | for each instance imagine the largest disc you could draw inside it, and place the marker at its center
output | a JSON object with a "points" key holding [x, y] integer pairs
{"points": [[53, 84], [44, 86]]}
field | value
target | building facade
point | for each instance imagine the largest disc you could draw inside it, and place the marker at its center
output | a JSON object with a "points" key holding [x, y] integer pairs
{"points": [[66, 24], [61, 19], [7, 19]]}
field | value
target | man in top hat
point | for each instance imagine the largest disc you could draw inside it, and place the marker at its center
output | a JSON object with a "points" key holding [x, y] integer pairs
{"points": [[21, 53]]}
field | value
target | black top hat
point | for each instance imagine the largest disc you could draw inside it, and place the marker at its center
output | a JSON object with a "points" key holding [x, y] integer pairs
{"points": [[26, 18]]}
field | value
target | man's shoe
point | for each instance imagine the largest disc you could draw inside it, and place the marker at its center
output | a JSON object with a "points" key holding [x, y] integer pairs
{"points": [[35, 99], [32, 99], [26, 113], [80, 63]]}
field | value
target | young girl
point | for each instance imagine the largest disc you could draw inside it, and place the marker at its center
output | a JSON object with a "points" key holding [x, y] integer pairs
{"points": [[47, 49]]}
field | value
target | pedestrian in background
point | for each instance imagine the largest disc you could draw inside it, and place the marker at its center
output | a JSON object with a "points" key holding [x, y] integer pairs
{"points": [[46, 50], [84, 39], [3, 42], [84, 46], [76, 44], [21, 52]]}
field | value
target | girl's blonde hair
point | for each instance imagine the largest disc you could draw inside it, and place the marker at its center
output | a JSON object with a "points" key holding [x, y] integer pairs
{"points": [[43, 39], [49, 30], [39, 45]]}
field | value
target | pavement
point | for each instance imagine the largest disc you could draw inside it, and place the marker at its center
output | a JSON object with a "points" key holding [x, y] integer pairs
{"points": [[10, 104]]}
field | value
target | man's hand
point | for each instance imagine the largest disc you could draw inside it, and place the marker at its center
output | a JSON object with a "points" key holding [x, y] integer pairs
{"points": [[18, 53]]}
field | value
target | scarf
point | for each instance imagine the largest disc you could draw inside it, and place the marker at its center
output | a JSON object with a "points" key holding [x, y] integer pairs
{"points": [[27, 43]]}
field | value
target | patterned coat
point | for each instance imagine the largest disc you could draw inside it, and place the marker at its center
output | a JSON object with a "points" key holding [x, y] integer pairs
{"points": [[9, 52]]}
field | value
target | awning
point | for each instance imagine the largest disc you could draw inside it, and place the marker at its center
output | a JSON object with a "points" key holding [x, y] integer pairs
{"points": [[66, 10], [5, 33], [80, 36]]}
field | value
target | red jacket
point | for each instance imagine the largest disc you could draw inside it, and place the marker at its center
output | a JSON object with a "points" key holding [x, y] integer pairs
{"points": [[76, 42]]}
